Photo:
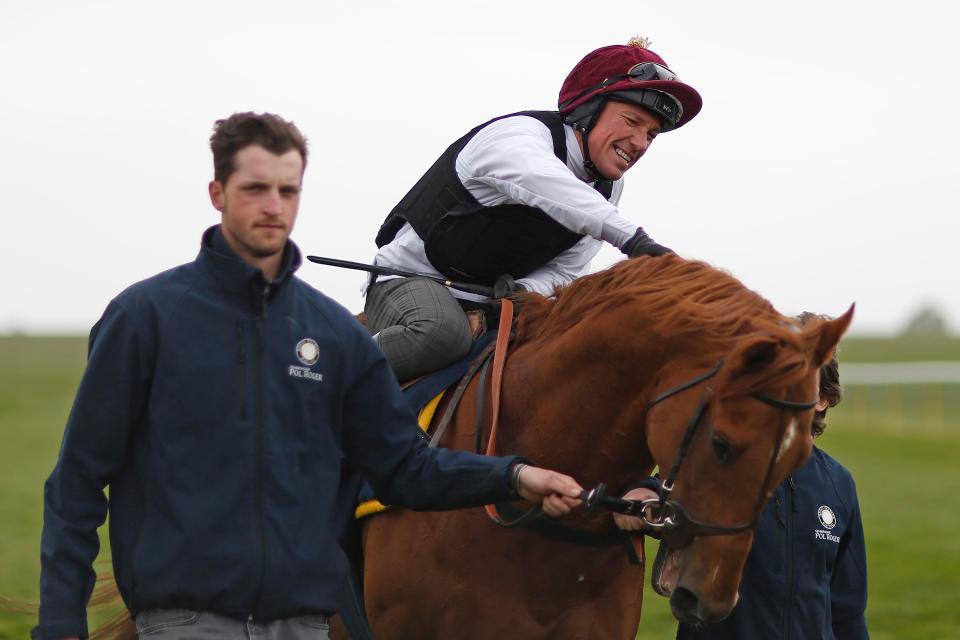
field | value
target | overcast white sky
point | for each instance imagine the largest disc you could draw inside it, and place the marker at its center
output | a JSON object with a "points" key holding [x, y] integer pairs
{"points": [[822, 170]]}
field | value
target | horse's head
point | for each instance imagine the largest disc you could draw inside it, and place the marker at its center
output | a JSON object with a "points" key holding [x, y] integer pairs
{"points": [[725, 437]]}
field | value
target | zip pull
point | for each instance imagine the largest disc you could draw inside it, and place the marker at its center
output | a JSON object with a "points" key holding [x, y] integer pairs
{"points": [[264, 298], [259, 331], [242, 368], [793, 494], [241, 352], [781, 524]]}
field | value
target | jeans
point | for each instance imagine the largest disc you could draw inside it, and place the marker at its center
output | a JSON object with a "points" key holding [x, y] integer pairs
{"points": [[184, 624]]}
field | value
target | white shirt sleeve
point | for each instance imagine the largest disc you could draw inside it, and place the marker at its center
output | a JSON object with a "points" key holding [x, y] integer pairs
{"points": [[562, 270], [512, 161]]}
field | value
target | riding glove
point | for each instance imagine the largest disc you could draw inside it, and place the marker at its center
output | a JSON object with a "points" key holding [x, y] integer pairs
{"points": [[505, 285], [643, 245]]}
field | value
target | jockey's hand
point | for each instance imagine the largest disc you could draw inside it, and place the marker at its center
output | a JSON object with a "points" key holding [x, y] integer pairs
{"points": [[557, 492], [504, 286], [633, 523], [643, 245]]}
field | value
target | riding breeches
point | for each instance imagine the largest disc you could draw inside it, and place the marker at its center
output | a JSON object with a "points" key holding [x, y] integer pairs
{"points": [[418, 325]]}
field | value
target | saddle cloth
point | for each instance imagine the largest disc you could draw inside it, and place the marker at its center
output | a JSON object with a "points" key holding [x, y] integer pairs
{"points": [[424, 395]]}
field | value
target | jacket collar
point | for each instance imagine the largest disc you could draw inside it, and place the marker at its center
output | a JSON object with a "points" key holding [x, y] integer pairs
{"points": [[235, 274]]}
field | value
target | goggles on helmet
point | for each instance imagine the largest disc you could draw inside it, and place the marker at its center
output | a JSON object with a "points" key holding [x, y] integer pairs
{"points": [[642, 72]]}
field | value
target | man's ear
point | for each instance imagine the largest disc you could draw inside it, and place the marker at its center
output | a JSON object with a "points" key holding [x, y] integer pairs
{"points": [[215, 189]]}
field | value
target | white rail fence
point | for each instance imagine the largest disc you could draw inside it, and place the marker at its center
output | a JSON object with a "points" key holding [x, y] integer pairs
{"points": [[903, 396]]}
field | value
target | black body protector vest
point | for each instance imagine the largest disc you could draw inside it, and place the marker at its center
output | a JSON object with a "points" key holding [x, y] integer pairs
{"points": [[469, 242]]}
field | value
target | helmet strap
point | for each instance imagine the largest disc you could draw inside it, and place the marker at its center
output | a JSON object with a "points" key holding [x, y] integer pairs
{"points": [[585, 126]]}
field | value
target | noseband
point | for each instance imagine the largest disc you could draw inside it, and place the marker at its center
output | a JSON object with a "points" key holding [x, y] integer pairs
{"points": [[667, 517]]}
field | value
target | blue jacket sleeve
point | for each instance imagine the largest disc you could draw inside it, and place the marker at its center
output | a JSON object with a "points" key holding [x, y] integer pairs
{"points": [[848, 588], [380, 438], [108, 402]]}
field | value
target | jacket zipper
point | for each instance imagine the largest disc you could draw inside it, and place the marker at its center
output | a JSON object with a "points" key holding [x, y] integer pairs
{"points": [[780, 524], [242, 366], [788, 604], [260, 455]]}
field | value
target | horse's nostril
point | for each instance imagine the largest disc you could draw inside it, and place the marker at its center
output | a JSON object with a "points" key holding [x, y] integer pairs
{"points": [[684, 603]]}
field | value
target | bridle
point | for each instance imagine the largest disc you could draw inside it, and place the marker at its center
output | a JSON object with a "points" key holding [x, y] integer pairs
{"points": [[669, 518]]}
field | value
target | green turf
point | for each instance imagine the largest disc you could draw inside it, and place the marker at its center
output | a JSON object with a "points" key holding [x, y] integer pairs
{"points": [[905, 470], [38, 378]]}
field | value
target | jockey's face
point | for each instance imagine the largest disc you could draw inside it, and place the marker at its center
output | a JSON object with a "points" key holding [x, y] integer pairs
{"points": [[622, 134], [259, 204]]}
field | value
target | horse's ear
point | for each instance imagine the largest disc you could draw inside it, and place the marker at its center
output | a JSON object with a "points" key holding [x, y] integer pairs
{"points": [[753, 355], [826, 337]]}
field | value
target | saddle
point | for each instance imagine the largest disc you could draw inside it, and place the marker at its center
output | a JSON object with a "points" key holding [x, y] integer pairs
{"points": [[424, 395]]}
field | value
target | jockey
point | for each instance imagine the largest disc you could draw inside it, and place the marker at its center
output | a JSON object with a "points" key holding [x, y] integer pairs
{"points": [[523, 201]]}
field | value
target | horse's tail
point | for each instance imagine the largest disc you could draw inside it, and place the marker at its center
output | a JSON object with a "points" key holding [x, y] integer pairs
{"points": [[105, 598], [12, 605]]}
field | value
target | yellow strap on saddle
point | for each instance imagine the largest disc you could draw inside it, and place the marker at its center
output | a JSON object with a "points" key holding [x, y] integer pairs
{"points": [[371, 507]]}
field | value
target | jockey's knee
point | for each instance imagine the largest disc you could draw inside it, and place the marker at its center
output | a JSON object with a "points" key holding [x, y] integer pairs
{"points": [[420, 326], [425, 345]]}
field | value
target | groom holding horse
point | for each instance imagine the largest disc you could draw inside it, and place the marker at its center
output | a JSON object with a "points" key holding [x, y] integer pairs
{"points": [[224, 403]]}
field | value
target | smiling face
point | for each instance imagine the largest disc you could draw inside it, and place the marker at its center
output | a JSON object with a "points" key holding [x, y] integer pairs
{"points": [[259, 205], [621, 136]]}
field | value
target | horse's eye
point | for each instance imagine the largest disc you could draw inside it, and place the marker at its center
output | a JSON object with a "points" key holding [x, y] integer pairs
{"points": [[721, 449]]}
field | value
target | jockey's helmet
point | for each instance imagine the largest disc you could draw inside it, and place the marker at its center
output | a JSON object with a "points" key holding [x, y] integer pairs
{"points": [[627, 73]]}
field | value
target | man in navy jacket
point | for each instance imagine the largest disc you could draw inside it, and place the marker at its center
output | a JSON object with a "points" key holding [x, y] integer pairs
{"points": [[224, 403]]}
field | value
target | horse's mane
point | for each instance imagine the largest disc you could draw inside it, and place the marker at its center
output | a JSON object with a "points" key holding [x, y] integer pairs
{"points": [[678, 296], [681, 298]]}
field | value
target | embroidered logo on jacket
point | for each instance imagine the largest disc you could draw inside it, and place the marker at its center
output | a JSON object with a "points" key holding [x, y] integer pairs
{"points": [[829, 520], [308, 352]]}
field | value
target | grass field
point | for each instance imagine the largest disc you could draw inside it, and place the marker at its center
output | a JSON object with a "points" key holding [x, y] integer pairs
{"points": [[906, 474]]}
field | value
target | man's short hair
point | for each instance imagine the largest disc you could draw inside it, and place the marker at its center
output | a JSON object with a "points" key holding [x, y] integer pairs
{"points": [[830, 389], [241, 130]]}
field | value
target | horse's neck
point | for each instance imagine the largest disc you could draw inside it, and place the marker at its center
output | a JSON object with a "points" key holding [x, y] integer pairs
{"points": [[578, 405]]}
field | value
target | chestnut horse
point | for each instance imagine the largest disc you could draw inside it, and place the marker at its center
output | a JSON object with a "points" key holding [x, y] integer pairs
{"points": [[653, 362], [604, 381]]}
